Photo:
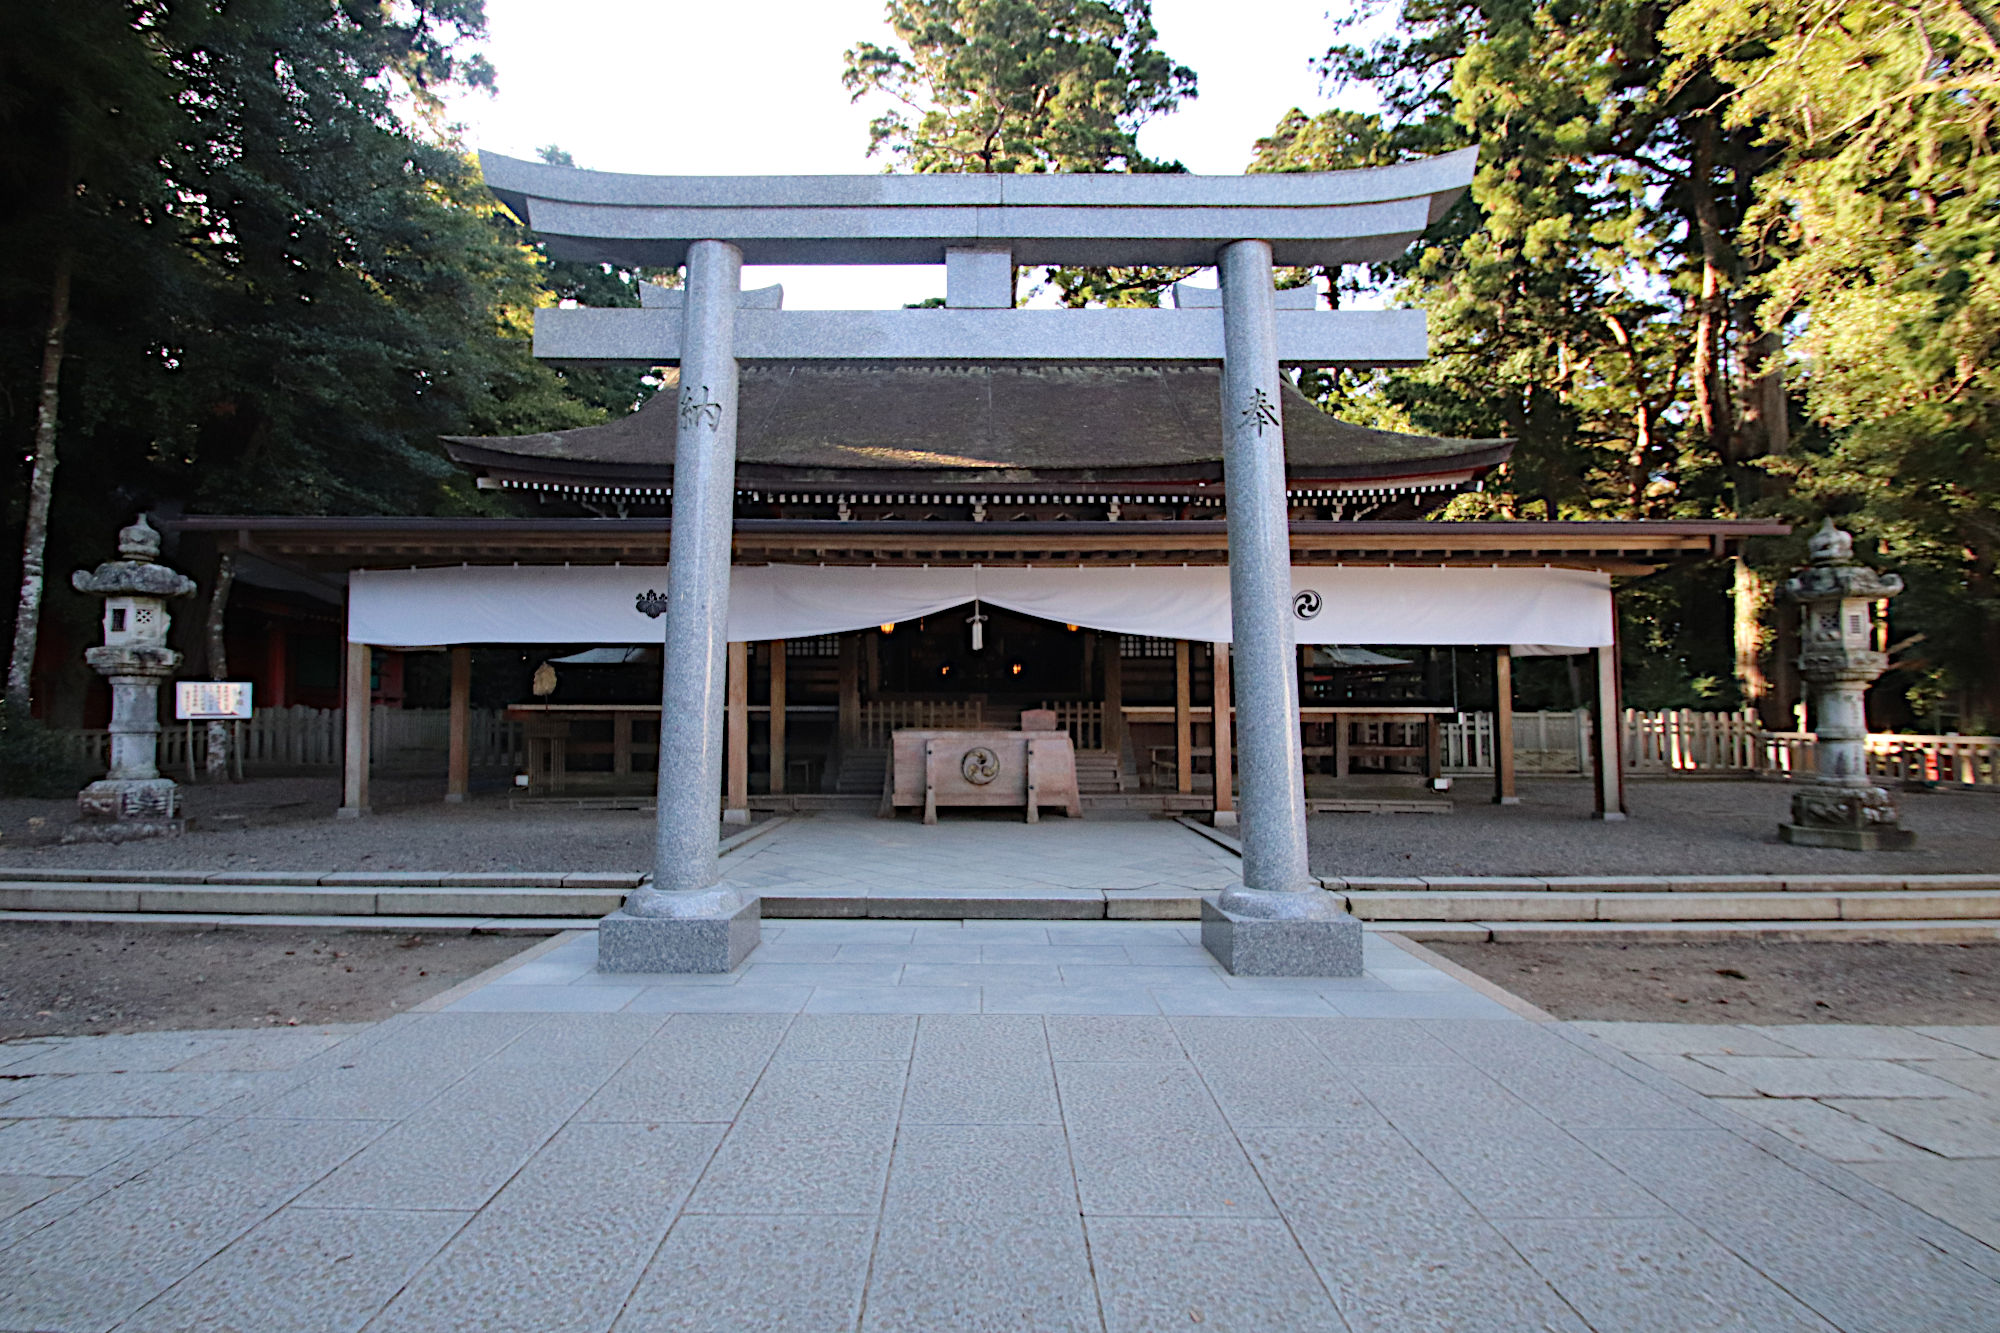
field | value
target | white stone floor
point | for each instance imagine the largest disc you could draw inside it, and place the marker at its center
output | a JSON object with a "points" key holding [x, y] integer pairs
{"points": [[732, 1171], [1916, 1110], [972, 967], [970, 852]]}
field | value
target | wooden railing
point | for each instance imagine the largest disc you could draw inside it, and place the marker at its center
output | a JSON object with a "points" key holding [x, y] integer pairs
{"points": [[299, 737], [882, 718], [1083, 720]]}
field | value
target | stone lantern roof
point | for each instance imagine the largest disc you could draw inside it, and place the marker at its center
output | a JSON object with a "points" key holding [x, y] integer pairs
{"points": [[138, 573]]}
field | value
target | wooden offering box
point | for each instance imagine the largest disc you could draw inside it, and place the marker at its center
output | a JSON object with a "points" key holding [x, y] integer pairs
{"points": [[1029, 769]]}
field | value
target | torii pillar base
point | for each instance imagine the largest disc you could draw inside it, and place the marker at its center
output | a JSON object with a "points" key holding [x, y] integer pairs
{"points": [[704, 941], [1324, 943]]}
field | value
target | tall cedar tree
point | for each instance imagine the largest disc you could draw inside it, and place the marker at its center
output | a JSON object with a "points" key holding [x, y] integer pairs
{"points": [[282, 292], [1885, 205], [1025, 86], [1591, 297]]}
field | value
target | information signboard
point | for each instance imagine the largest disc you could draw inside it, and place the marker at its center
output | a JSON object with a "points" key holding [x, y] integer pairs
{"points": [[211, 700]]}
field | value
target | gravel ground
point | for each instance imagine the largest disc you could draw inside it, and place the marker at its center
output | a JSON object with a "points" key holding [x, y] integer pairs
{"points": [[288, 824], [1675, 828], [72, 980], [1744, 981]]}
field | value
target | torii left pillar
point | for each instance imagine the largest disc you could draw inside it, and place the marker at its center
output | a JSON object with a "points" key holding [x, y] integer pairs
{"points": [[1278, 921], [685, 919]]}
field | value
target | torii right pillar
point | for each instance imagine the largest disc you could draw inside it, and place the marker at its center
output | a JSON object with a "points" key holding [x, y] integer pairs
{"points": [[1278, 922]]}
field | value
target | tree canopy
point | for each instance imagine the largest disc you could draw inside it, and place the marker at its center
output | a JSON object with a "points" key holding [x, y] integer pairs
{"points": [[1722, 257], [1882, 202], [1017, 85], [287, 282]]}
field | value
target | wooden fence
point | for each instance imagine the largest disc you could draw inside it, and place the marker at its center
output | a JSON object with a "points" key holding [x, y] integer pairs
{"points": [[1673, 743], [1959, 761], [299, 737], [1545, 744], [1685, 743]]}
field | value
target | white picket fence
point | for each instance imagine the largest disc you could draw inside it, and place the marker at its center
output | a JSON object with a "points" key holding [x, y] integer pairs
{"points": [[1686, 743], [1545, 744], [1964, 761], [300, 737]]}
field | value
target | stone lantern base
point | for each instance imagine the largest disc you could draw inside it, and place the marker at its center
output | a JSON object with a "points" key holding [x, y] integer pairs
{"points": [[1855, 819], [122, 809]]}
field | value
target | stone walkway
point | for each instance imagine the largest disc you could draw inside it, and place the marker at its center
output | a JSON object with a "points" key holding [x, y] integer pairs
{"points": [[1034, 1170], [972, 967], [1914, 1109], [973, 854]]}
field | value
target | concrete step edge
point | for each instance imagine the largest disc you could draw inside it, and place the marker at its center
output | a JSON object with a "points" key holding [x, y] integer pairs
{"points": [[1970, 904], [1661, 883], [387, 879], [470, 925], [1858, 932], [308, 900]]}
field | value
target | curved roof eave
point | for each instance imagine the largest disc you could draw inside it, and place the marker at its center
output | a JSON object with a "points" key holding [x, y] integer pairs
{"points": [[869, 424]]}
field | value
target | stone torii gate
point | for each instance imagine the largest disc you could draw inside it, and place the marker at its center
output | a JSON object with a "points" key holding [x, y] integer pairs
{"points": [[980, 227]]}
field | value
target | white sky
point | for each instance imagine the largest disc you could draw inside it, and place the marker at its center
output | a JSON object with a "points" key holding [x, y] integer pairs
{"points": [[743, 87]]}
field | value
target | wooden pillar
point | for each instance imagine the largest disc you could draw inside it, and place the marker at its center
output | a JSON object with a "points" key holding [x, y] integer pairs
{"points": [[1183, 721], [1608, 785], [850, 691], [777, 783], [1503, 727], [621, 745], [1114, 697], [458, 761], [1225, 735], [277, 668], [354, 753], [736, 737]]}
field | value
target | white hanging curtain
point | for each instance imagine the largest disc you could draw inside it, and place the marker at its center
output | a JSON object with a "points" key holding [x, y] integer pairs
{"points": [[1540, 610]]}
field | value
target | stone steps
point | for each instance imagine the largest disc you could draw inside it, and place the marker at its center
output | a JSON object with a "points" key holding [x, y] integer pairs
{"points": [[1657, 883], [456, 879], [348, 899], [1653, 908], [433, 925]]}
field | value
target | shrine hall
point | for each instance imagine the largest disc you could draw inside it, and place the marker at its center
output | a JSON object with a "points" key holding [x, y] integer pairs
{"points": [[1077, 510]]}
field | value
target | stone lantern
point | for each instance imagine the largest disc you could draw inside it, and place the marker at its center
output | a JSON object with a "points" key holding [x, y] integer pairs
{"points": [[133, 800], [1840, 653]]}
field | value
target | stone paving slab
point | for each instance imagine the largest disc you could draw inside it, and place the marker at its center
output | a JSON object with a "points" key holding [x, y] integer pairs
{"points": [[1915, 1110], [685, 1169]]}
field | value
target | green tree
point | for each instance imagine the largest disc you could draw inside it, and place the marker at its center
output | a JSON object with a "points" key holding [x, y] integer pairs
{"points": [[1885, 205], [1017, 85], [1591, 296], [285, 284], [1025, 86], [86, 108]]}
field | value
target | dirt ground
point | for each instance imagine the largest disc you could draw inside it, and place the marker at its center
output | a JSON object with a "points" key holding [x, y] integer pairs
{"points": [[1677, 827], [1746, 982], [287, 823], [85, 979]]}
